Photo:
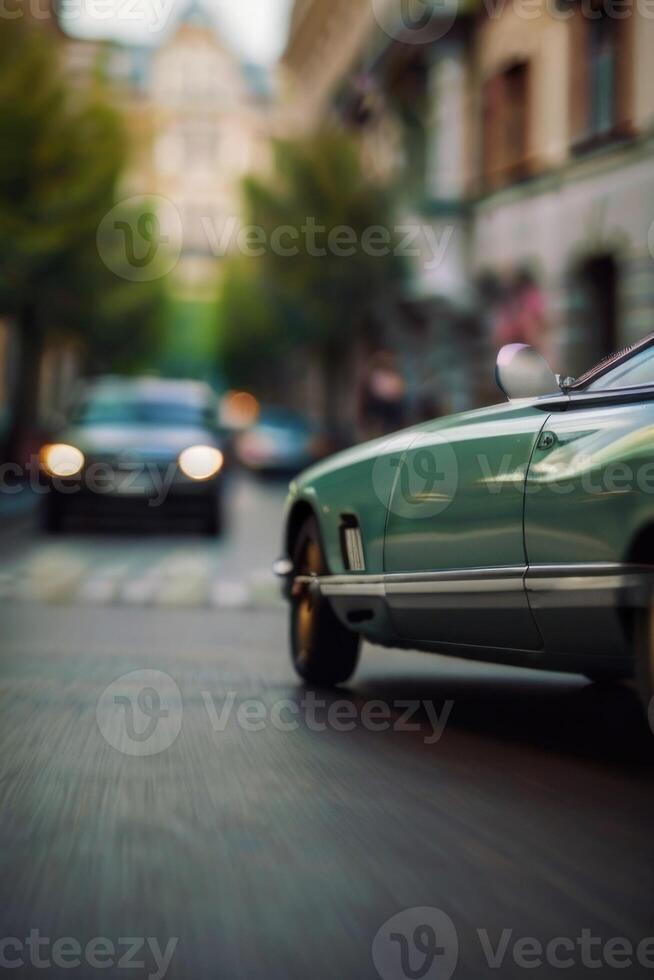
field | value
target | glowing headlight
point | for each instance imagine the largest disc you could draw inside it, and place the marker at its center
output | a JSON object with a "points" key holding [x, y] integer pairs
{"points": [[60, 460], [201, 462]]}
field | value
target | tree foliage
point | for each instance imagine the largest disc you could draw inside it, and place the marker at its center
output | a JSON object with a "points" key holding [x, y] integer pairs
{"points": [[252, 338], [62, 152], [308, 289]]}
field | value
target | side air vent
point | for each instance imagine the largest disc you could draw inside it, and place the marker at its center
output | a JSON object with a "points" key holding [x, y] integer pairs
{"points": [[352, 544]]}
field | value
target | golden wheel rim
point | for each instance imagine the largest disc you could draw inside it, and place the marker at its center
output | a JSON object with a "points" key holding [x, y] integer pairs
{"points": [[305, 606]]}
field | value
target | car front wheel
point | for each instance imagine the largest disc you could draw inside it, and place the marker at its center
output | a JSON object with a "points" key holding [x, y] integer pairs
{"points": [[52, 516], [323, 651], [214, 516], [644, 650]]}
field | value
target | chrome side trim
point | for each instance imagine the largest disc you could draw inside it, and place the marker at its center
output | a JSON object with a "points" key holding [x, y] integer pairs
{"points": [[590, 577], [459, 575], [600, 576], [600, 587], [565, 610], [581, 583], [468, 586], [426, 583], [345, 585]]}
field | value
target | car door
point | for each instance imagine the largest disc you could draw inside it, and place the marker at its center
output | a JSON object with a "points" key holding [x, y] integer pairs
{"points": [[590, 489], [454, 548]]}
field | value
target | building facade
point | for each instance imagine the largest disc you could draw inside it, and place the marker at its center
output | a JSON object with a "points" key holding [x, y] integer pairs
{"points": [[209, 133], [567, 184], [522, 135], [198, 122]]}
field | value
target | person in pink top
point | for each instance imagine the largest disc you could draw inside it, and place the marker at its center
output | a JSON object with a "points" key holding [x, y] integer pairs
{"points": [[522, 317]]}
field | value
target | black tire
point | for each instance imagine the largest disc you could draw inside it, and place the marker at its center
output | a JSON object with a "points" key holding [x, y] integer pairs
{"points": [[214, 521], [644, 654], [52, 517], [323, 651]]}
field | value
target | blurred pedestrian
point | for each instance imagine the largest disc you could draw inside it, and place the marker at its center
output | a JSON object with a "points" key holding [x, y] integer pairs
{"points": [[383, 402], [521, 316]]}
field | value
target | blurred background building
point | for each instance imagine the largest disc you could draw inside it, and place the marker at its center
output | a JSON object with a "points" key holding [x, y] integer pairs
{"points": [[199, 123]]}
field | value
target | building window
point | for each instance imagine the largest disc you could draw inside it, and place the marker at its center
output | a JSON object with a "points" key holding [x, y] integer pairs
{"points": [[601, 69], [603, 75], [446, 129], [506, 126]]}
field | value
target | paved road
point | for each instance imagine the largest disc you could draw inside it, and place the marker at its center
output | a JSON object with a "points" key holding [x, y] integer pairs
{"points": [[152, 564], [273, 832]]}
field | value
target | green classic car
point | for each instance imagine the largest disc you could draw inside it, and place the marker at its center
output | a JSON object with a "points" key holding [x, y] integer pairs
{"points": [[519, 534]]}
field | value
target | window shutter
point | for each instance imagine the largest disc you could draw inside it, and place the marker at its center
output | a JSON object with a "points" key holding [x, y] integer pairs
{"points": [[493, 150]]}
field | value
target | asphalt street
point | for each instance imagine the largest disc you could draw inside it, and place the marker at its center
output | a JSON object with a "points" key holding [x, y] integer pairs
{"points": [[175, 803]]}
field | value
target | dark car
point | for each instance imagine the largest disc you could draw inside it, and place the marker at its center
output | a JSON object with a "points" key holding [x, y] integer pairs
{"points": [[137, 446]]}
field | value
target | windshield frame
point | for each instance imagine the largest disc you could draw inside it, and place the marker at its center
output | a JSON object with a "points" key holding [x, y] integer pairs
{"points": [[609, 363]]}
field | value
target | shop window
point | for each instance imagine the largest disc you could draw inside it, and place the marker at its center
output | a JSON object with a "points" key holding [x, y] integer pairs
{"points": [[601, 69]]}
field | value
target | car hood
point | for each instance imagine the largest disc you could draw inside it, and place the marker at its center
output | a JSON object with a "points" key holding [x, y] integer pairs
{"points": [[142, 441]]}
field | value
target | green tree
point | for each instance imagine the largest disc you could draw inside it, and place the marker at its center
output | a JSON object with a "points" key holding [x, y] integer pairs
{"points": [[254, 334], [321, 285], [61, 155]]}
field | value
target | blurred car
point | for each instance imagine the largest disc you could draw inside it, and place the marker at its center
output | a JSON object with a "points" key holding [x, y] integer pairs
{"points": [[281, 441], [520, 534], [137, 445]]}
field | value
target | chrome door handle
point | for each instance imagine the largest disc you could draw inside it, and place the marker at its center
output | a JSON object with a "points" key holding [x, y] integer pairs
{"points": [[547, 440]]}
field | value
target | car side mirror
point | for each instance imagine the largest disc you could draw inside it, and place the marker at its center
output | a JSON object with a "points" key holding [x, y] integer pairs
{"points": [[521, 372]]}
